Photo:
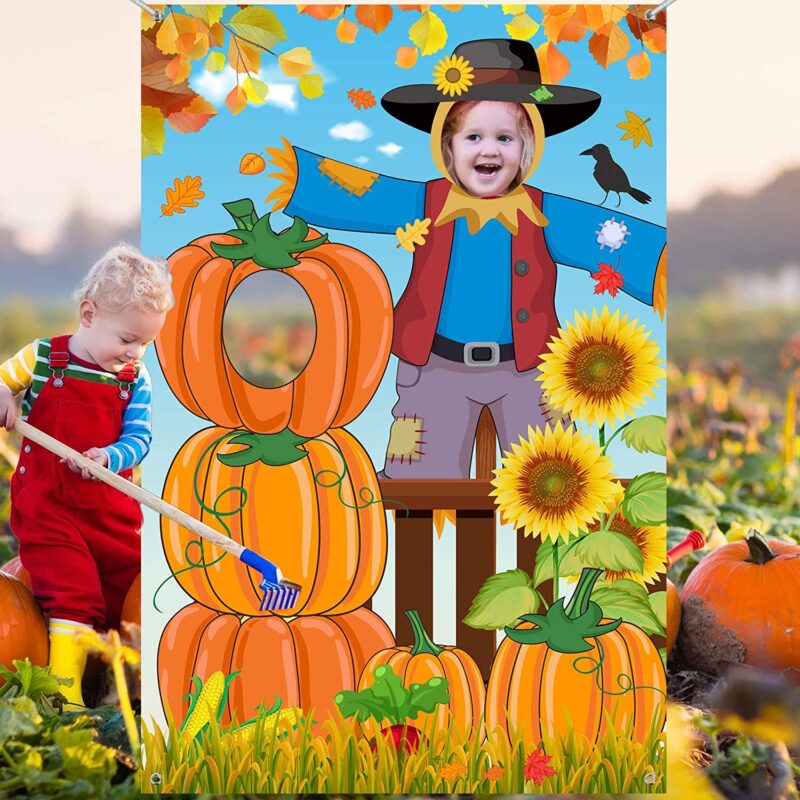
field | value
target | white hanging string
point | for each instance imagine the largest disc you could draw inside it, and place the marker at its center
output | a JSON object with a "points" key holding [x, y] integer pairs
{"points": [[155, 14], [651, 13]]}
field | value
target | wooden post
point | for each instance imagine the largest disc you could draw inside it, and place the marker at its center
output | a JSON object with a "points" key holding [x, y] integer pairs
{"points": [[485, 446], [413, 588]]}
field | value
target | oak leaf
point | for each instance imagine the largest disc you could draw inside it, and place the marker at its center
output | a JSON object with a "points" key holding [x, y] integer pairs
{"points": [[236, 99], [639, 66], [596, 16], [321, 12], [215, 61], [252, 164], [153, 131], [243, 57], [413, 234], [406, 57], [493, 773], [258, 26], [210, 14], [346, 31], [609, 44], [655, 40], [636, 129], [376, 18], [193, 117], [428, 33], [522, 27], [296, 62], [311, 86], [361, 98], [255, 90], [183, 194], [554, 65], [564, 23], [452, 772], [607, 279], [179, 69]]}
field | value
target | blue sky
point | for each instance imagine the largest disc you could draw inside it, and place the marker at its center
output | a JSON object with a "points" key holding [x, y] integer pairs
{"points": [[331, 126]]}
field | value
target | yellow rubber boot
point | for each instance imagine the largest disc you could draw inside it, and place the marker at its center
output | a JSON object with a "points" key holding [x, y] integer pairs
{"points": [[68, 659]]}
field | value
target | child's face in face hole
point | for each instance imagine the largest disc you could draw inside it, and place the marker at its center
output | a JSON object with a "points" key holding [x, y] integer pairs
{"points": [[487, 148]]}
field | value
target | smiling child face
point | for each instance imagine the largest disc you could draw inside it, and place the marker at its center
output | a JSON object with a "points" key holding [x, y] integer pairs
{"points": [[487, 149]]}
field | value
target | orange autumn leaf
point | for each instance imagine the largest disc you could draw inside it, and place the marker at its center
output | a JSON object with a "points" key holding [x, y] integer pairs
{"points": [[597, 16], [453, 8], [243, 57], [346, 31], [182, 195], [404, 7], [361, 98], [564, 23], [193, 117], [236, 99], [493, 773], [376, 18], [406, 57], [553, 64], [639, 66], [172, 27], [655, 40], [179, 69], [194, 44], [252, 164], [452, 772], [640, 24], [609, 44], [321, 12]]}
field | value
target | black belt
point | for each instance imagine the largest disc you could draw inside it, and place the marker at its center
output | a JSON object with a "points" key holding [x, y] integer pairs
{"points": [[473, 354]]}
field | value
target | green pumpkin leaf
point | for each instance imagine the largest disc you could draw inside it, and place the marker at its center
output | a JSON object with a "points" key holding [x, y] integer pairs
{"points": [[273, 449], [645, 501], [658, 602], [18, 717], [426, 696], [690, 517], [603, 550], [647, 434], [627, 600], [502, 600]]}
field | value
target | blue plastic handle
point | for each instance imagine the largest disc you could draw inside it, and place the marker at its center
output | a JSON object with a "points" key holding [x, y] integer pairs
{"points": [[267, 569]]}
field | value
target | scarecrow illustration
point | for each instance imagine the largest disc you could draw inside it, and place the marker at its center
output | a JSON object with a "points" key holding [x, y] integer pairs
{"points": [[478, 310]]}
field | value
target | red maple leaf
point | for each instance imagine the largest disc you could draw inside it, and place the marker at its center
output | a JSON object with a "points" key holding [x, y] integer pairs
{"points": [[361, 98], [608, 280], [536, 767]]}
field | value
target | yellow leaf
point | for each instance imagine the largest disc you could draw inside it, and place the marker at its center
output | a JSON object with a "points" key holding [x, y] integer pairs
{"points": [[153, 131], [346, 31], [252, 164], [564, 23], [406, 57], [193, 117], [194, 44], [597, 16], [243, 57], [179, 69], [609, 44], [255, 90], [209, 14], [428, 33], [376, 18], [413, 234], [184, 194], [296, 62], [554, 65], [636, 129], [215, 61], [259, 26], [639, 66], [173, 26], [522, 27], [513, 9], [655, 40], [311, 86], [236, 100], [147, 21]]}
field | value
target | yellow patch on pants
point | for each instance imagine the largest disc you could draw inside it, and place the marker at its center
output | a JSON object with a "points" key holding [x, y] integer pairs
{"points": [[405, 440]]}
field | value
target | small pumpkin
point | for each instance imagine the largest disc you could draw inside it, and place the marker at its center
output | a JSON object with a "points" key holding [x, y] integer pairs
{"points": [[304, 662], [673, 614], [419, 663], [23, 630], [353, 308], [573, 670], [740, 604]]}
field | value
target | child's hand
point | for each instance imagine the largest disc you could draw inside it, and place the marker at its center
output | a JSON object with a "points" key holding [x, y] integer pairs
{"points": [[95, 454], [8, 408]]}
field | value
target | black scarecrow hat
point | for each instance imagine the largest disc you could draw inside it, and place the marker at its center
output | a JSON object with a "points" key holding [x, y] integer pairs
{"points": [[504, 69]]}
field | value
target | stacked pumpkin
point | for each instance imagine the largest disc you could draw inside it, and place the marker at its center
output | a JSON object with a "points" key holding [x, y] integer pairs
{"points": [[278, 473]]}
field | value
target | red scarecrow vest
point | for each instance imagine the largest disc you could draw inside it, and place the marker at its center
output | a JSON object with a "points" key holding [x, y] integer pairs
{"points": [[533, 286]]}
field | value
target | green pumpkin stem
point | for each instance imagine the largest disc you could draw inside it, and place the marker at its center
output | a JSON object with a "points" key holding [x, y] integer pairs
{"points": [[422, 642], [566, 630], [760, 551], [258, 242]]}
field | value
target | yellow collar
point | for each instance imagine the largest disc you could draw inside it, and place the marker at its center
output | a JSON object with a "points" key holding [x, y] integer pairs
{"points": [[478, 210]]}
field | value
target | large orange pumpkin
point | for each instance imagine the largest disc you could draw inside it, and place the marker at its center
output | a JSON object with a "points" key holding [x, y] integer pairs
{"points": [[353, 308], [310, 527], [673, 614], [571, 669], [745, 595], [305, 662], [23, 630], [425, 660]]}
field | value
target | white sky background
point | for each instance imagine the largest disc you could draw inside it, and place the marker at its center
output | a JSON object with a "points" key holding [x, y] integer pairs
{"points": [[69, 96]]}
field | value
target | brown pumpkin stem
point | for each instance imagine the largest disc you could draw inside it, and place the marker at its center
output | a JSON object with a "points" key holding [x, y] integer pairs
{"points": [[760, 551], [422, 642], [260, 243]]}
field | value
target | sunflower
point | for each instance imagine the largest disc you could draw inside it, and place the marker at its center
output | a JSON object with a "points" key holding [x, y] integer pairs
{"points": [[602, 368], [554, 483], [453, 75], [651, 542]]}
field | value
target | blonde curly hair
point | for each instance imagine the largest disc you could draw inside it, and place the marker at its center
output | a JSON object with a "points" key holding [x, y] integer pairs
{"points": [[124, 277]]}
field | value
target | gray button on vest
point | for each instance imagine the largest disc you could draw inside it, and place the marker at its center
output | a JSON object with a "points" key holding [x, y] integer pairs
{"points": [[521, 267], [27, 448], [22, 470], [523, 315]]}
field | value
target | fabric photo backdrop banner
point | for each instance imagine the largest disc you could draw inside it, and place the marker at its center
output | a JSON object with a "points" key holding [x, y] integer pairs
{"points": [[415, 372]]}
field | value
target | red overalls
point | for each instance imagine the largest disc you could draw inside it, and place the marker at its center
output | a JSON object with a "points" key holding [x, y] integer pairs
{"points": [[79, 539]]}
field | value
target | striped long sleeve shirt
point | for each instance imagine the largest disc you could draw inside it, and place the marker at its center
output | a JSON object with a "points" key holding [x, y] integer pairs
{"points": [[29, 370]]}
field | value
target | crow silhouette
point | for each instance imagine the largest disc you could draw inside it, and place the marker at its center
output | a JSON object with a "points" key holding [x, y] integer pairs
{"points": [[611, 176]]}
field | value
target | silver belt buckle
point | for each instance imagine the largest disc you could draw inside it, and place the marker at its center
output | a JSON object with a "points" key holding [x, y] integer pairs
{"points": [[470, 360]]}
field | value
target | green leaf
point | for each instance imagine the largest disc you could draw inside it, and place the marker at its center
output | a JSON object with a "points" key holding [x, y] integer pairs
{"points": [[19, 717], [647, 434], [273, 449], [658, 603], [82, 757], [604, 550], [629, 601], [542, 94], [689, 517], [502, 600], [215, 61], [426, 696], [645, 501], [259, 26]]}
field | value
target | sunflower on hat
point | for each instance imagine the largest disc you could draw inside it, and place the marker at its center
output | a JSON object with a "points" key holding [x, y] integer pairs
{"points": [[453, 75]]}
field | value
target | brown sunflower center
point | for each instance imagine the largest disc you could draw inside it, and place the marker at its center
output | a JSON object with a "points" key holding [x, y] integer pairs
{"points": [[601, 369], [554, 484], [453, 75]]}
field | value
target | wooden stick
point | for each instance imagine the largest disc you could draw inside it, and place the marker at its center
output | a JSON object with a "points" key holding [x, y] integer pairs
{"points": [[131, 489]]}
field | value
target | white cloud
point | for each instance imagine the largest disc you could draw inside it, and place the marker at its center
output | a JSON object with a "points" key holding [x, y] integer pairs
{"points": [[390, 149], [361, 160], [282, 95], [351, 131], [215, 86]]}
